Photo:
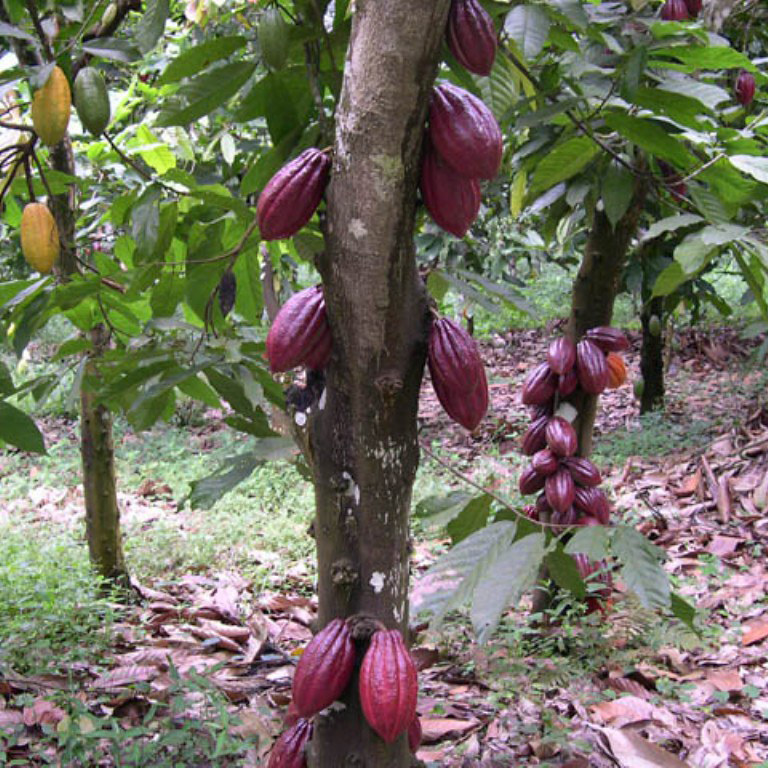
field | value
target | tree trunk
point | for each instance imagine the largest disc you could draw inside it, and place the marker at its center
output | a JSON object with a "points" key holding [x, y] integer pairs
{"points": [[652, 358], [364, 432], [595, 290]]}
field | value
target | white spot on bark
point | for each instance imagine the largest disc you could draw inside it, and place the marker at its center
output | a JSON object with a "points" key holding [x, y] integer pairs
{"points": [[356, 494], [300, 418], [397, 613], [377, 581], [357, 228], [321, 402]]}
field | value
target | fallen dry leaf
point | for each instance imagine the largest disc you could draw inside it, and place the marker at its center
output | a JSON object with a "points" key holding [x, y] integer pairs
{"points": [[630, 750]]}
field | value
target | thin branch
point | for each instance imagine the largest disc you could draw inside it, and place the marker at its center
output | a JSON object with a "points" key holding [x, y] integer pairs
{"points": [[33, 14], [16, 127]]}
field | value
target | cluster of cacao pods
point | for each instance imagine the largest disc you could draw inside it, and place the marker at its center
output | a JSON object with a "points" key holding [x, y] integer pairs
{"points": [[457, 372], [567, 484], [388, 688]]}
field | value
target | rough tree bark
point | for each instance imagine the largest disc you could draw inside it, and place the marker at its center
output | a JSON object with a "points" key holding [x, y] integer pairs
{"points": [[363, 435], [652, 357]]}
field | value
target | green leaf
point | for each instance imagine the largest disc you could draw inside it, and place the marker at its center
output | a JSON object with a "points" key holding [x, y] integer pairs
{"points": [[249, 302], [669, 280], [682, 610], [500, 89], [756, 167], [472, 518], [6, 380], [706, 57], [650, 136], [200, 57], [707, 95], [155, 153], [671, 224], [111, 48], [591, 540], [145, 222], [677, 107], [511, 574], [641, 568], [561, 163], [528, 26], [617, 190], [562, 568], [151, 25], [442, 509], [16, 428], [693, 254], [8, 30]]}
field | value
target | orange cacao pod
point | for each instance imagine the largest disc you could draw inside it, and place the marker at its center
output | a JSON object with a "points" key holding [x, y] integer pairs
{"points": [[534, 439], [560, 490], [388, 685], [608, 339], [591, 367], [39, 237], [465, 132], [289, 750], [540, 385], [51, 106], [324, 669], [472, 36], [561, 437], [561, 355], [451, 199], [583, 471], [458, 375], [299, 331], [292, 195], [617, 370]]}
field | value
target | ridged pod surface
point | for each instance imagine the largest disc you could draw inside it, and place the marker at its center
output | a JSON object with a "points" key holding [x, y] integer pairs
{"points": [[92, 100], [324, 669], [674, 10], [458, 374], [472, 36], [545, 462], [414, 734], [388, 685], [745, 88], [561, 355], [694, 7], [534, 439], [617, 370], [540, 385], [568, 383], [561, 437], [39, 237], [299, 331], [290, 749], [530, 481], [560, 490], [465, 133], [608, 339], [51, 106], [292, 195], [565, 518], [452, 200], [594, 503], [583, 471], [591, 367]]}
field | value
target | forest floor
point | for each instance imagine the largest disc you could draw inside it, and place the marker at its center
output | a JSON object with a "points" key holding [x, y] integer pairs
{"points": [[197, 670]]}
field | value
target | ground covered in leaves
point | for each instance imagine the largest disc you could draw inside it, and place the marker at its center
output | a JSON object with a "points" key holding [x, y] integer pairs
{"points": [[197, 670]]}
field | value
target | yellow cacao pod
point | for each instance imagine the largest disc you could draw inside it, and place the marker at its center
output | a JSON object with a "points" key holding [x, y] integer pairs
{"points": [[50, 108], [39, 237]]}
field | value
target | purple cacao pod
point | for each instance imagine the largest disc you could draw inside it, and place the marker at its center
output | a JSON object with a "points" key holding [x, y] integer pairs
{"points": [[530, 481], [545, 462], [414, 734], [566, 518], [319, 356], [561, 355], [607, 338], [694, 7], [472, 36], [542, 505], [292, 195], [458, 374], [591, 367], [540, 385], [452, 200], [674, 10], [560, 490], [289, 750], [745, 88], [464, 132], [324, 669], [567, 383], [299, 331], [594, 503], [583, 471], [561, 437], [534, 439]]}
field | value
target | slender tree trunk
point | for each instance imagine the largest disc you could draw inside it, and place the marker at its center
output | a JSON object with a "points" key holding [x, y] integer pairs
{"points": [[364, 437], [652, 358]]}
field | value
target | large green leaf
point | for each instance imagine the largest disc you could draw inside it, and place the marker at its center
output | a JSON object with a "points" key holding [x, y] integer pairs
{"points": [[669, 280], [151, 25], [650, 136], [561, 163], [112, 48], [564, 572], [16, 428], [528, 26], [200, 57], [705, 57], [752, 165], [591, 540], [641, 567], [145, 222], [670, 224], [617, 189], [472, 518]]}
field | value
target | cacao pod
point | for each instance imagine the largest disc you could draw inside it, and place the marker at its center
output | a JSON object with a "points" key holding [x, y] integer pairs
{"points": [[545, 462], [324, 669], [542, 505], [694, 7], [39, 237], [227, 292], [464, 132], [320, 354], [546, 409], [566, 518], [594, 502], [300, 328], [292, 195], [673, 180], [535, 439], [617, 370], [654, 326], [561, 437], [452, 200], [587, 568], [567, 383], [530, 481], [51, 105], [674, 10], [414, 734], [561, 355], [388, 685], [92, 100], [458, 374], [591, 367], [608, 339], [530, 511], [745, 88], [540, 385], [560, 490], [583, 471], [273, 34], [289, 750], [472, 36]]}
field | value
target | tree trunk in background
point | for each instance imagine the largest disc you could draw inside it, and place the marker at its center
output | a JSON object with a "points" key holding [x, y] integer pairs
{"points": [[595, 290], [652, 358], [364, 433]]}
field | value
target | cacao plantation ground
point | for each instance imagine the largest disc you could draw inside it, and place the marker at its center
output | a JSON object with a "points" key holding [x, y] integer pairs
{"points": [[196, 670]]}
